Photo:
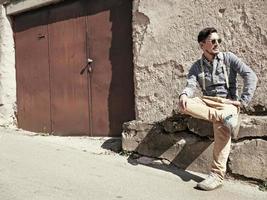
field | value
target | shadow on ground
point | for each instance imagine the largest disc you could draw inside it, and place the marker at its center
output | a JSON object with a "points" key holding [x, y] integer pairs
{"points": [[183, 174], [113, 144]]}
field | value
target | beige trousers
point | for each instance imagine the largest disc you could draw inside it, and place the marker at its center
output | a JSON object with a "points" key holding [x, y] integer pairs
{"points": [[214, 109]]}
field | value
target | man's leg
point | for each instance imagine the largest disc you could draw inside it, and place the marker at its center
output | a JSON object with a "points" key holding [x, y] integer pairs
{"points": [[208, 109], [222, 143], [221, 149], [214, 111]]}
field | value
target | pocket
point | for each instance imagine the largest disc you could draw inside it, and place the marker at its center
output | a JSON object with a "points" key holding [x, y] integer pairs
{"points": [[219, 76], [219, 70]]}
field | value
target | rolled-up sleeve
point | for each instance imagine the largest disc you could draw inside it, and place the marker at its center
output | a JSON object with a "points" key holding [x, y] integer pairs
{"points": [[191, 81], [249, 78]]}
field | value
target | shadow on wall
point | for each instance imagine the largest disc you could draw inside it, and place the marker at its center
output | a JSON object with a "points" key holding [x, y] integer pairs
{"points": [[121, 95]]}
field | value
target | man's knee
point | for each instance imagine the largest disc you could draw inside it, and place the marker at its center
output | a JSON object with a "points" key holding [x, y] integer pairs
{"points": [[195, 100]]}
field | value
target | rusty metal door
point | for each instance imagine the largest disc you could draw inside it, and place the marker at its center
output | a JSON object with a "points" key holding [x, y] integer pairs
{"points": [[67, 56], [95, 103], [32, 71]]}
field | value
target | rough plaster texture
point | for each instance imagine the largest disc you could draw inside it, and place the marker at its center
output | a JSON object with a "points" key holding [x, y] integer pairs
{"points": [[7, 72], [164, 35]]}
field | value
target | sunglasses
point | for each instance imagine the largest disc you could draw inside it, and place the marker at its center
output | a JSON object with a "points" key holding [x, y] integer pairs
{"points": [[214, 41]]}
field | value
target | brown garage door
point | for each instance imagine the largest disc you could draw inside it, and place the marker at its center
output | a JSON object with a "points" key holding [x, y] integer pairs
{"points": [[53, 45]]}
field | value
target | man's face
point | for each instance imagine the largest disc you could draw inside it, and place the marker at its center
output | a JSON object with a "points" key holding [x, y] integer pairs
{"points": [[211, 44]]}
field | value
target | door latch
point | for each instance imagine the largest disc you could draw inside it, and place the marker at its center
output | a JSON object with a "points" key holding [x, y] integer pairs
{"points": [[88, 66], [40, 36]]}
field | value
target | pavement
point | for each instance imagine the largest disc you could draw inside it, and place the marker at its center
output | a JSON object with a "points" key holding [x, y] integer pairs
{"points": [[39, 167]]}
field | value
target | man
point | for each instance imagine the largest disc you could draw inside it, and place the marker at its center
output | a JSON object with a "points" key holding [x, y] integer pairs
{"points": [[216, 74]]}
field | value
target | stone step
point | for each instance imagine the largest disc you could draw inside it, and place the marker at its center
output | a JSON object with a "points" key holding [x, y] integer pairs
{"points": [[189, 151], [251, 126], [249, 158]]}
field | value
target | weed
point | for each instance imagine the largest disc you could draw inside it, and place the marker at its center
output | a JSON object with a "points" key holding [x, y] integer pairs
{"points": [[263, 186]]}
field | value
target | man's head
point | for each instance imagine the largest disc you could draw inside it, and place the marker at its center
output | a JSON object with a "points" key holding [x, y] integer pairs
{"points": [[209, 40]]}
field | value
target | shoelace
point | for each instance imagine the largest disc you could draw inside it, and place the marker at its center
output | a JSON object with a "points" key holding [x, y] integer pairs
{"points": [[228, 117]]}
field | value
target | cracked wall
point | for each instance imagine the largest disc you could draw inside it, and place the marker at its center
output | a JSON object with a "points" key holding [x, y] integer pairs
{"points": [[165, 46]]}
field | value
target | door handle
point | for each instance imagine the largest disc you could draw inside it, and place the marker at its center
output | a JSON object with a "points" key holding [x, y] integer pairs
{"points": [[89, 60], [88, 66]]}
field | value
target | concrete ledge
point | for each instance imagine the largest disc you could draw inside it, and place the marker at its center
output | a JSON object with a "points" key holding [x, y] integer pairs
{"points": [[249, 159], [186, 151], [193, 151], [16, 7], [251, 126]]}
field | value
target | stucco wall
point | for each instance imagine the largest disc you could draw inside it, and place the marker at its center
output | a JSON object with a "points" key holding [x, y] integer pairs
{"points": [[7, 72], [165, 46], [164, 35]]}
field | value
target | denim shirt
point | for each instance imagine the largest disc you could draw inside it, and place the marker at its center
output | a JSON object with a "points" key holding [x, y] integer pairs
{"points": [[215, 83]]}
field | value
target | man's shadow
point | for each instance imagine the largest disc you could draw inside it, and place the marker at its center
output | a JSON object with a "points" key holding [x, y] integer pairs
{"points": [[171, 168], [188, 149]]}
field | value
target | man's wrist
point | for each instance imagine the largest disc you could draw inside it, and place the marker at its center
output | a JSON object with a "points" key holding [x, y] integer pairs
{"points": [[182, 95]]}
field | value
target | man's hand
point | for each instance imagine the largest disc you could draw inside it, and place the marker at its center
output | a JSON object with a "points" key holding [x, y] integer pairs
{"points": [[183, 102]]}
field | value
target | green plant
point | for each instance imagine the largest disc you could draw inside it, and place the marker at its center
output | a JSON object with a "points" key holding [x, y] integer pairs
{"points": [[125, 153], [263, 186]]}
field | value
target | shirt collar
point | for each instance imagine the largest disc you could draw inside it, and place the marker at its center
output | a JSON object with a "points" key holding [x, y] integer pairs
{"points": [[219, 56], [205, 60]]}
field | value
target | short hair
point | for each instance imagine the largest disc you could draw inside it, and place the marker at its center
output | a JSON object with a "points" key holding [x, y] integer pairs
{"points": [[203, 34]]}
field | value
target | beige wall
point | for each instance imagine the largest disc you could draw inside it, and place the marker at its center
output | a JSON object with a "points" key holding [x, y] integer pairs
{"points": [[165, 46], [7, 72]]}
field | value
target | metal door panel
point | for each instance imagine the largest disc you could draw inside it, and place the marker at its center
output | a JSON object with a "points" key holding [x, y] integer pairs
{"points": [[110, 47], [32, 71], [67, 103], [69, 89], [99, 44]]}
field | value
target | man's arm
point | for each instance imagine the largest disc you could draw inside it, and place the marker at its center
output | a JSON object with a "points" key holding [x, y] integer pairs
{"points": [[191, 81], [249, 78], [190, 87]]}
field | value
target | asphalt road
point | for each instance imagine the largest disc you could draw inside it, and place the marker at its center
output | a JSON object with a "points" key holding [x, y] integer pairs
{"points": [[67, 168]]}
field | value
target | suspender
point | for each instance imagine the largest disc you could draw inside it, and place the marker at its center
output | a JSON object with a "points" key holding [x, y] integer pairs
{"points": [[224, 72], [203, 74], [225, 75]]}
